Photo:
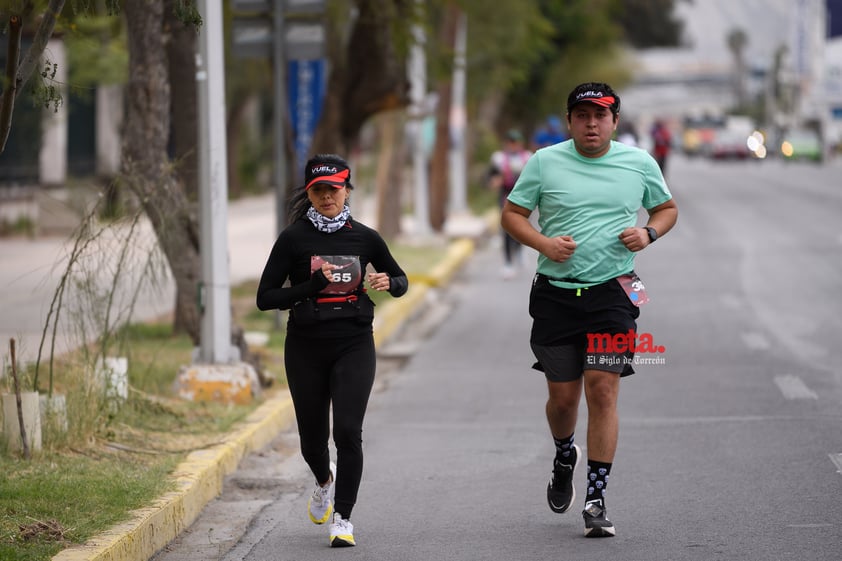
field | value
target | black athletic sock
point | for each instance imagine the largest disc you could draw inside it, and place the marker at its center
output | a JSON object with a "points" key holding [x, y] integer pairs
{"points": [[597, 479], [564, 451]]}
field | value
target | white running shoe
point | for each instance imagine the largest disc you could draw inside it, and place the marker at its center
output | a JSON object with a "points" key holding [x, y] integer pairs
{"points": [[341, 532], [320, 505]]}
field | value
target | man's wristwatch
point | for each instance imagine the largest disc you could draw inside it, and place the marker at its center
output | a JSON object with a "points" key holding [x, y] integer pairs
{"points": [[653, 233]]}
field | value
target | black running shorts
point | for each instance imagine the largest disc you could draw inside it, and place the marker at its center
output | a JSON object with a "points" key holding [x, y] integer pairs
{"points": [[574, 330]]}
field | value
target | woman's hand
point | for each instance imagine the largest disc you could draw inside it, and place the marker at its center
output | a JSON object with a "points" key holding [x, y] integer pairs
{"points": [[326, 271], [379, 281]]}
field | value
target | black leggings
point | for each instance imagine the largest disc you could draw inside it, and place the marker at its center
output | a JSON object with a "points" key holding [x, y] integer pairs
{"points": [[340, 370], [511, 247]]}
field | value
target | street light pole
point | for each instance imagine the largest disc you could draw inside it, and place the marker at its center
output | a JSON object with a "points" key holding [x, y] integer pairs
{"points": [[279, 66], [418, 112], [458, 122], [215, 344]]}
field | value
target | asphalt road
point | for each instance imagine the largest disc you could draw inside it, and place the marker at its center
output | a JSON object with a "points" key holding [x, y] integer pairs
{"points": [[730, 446]]}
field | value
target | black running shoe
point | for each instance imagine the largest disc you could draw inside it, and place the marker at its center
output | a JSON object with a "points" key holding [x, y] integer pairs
{"points": [[597, 524], [560, 490]]}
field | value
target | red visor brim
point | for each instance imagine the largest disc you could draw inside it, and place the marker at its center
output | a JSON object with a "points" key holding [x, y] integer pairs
{"points": [[337, 180], [606, 101]]}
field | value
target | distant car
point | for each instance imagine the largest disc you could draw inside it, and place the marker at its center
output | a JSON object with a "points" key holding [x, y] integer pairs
{"points": [[728, 144], [801, 144], [698, 133]]}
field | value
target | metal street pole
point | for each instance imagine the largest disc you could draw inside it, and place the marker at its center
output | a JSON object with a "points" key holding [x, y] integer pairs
{"points": [[280, 118], [458, 121], [418, 112], [279, 66], [215, 344]]}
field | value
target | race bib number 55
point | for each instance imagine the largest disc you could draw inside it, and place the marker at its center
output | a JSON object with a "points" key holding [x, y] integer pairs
{"points": [[347, 275]]}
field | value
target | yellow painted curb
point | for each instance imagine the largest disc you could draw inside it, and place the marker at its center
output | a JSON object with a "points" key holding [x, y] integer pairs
{"points": [[457, 254], [199, 480], [395, 312], [492, 220], [441, 274], [200, 476]]}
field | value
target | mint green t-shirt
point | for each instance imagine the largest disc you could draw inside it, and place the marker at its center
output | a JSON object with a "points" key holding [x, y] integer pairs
{"points": [[592, 200]]}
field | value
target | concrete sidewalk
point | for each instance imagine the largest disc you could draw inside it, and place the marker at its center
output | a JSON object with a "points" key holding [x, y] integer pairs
{"points": [[30, 270], [200, 477]]}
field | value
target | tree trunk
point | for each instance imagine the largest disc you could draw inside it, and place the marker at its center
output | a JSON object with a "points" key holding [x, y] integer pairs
{"points": [[441, 149], [181, 56], [367, 75], [7, 98], [18, 71], [388, 180], [146, 166]]}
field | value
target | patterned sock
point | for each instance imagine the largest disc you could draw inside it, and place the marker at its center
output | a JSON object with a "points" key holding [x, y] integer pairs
{"points": [[597, 479], [564, 451]]}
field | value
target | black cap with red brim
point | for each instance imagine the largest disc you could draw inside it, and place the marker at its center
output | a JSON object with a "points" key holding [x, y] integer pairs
{"points": [[330, 174]]}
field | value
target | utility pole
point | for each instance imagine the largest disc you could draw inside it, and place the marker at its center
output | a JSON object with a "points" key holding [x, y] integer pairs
{"points": [[280, 119], [215, 344], [418, 112], [458, 120], [217, 374]]}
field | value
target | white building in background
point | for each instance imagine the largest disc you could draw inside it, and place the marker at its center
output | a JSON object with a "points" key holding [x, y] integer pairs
{"points": [[832, 89], [698, 78], [52, 158], [807, 39]]}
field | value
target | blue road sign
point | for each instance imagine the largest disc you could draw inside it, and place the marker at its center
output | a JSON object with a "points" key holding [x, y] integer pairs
{"points": [[306, 91]]}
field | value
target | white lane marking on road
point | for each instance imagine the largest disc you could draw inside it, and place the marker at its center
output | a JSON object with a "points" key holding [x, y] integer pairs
{"points": [[794, 387], [676, 421], [837, 461], [756, 341]]}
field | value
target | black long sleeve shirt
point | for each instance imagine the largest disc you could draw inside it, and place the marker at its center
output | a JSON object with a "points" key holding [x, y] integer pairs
{"points": [[290, 259]]}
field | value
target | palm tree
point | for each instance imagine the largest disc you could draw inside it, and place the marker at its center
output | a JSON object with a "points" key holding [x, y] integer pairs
{"points": [[737, 41]]}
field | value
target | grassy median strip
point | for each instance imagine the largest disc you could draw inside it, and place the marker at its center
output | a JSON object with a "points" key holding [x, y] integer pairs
{"points": [[66, 498], [113, 461]]}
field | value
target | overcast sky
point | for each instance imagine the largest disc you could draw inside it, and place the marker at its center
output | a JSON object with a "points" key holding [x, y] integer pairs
{"points": [[708, 22]]}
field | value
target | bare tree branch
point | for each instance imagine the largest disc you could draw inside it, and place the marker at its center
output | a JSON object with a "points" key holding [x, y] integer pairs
{"points": [[7, 100], [39, 42], [15, 81]]}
